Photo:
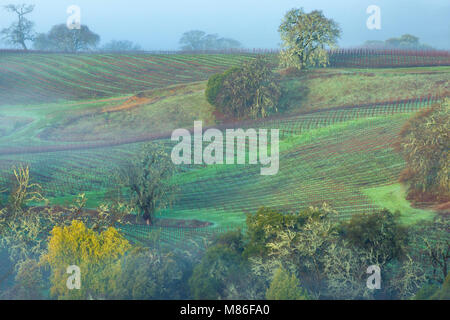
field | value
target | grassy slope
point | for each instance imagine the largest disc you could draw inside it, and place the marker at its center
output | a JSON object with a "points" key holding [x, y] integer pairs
{"points": [[340, 87], [323, 165], [39, 78], [393, 197], [84, 121], [170, 109], [179, 106], [337, 164]]}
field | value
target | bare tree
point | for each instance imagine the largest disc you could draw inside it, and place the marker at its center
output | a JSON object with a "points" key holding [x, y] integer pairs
{"points": [[22, 30]]}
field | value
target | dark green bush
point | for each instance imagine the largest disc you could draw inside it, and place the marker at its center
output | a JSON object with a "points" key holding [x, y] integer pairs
{"points": [[379, 232], [218, 267], [215, 84], [250, 91], [150, 274]]}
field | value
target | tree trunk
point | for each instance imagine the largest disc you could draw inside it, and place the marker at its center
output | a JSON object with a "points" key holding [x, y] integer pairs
{"points": [[148, 218], [24, 46]]}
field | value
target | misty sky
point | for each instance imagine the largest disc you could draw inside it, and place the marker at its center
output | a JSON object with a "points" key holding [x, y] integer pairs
{"points": [[158, 24]]}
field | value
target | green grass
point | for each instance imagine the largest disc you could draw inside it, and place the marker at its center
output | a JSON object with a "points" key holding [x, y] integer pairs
{"points": [[84, 121], [172, 108], [340, 87], [393, 198], [322, 165], [94, 198]]}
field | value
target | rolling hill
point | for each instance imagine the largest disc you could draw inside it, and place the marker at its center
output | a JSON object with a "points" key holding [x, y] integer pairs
{"points": [[76, 118]]}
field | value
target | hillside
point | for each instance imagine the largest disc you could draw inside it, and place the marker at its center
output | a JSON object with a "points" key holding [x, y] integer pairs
{"points": [[39, 78], [342, 156], [85, 115], [156, 112]]}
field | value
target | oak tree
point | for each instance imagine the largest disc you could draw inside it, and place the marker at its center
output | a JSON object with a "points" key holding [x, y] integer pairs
{"points": [[306, 37]]}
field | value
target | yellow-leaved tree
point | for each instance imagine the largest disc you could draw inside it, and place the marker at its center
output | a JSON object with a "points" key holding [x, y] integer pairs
{"points": [[96, 254]]}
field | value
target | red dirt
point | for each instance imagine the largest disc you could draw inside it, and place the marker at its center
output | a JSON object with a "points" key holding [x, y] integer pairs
{"points": [[133, 102], [443, 206]]}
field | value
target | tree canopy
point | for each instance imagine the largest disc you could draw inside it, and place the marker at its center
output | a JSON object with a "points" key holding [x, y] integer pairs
{"points": [[425, 145], [96, 254], [148, 180], [197, 40], [61, 38], [306, 37], [249, 91], [285, 286]]}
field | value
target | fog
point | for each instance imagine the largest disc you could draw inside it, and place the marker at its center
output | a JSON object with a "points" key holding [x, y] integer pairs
{"points": [[158, 25]]}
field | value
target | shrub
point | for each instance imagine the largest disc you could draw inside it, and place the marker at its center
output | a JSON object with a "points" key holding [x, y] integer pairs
{"points": [[29, 282], [426, 292], [23, 190], [222, 270], [248, 91], [149, 274], [233, 240], [425, 145], [215, 83], [213, 87], [216, 268], [444, 293], [263, 227]]}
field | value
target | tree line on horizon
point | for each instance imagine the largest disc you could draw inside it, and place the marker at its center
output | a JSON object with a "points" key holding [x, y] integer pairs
{"points": [[405, 42], [61, 38]]}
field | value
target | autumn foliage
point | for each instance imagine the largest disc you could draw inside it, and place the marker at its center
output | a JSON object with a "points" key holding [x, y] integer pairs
{"points": [[96, 254]]}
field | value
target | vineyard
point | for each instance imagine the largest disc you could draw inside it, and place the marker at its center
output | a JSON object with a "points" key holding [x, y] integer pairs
{"points": [[332, 156], [336, 131], [43, 77], [37, 78], [370, 58]]}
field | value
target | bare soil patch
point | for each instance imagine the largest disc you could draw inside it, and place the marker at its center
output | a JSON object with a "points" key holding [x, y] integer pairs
{"points": [[134, 102]]}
